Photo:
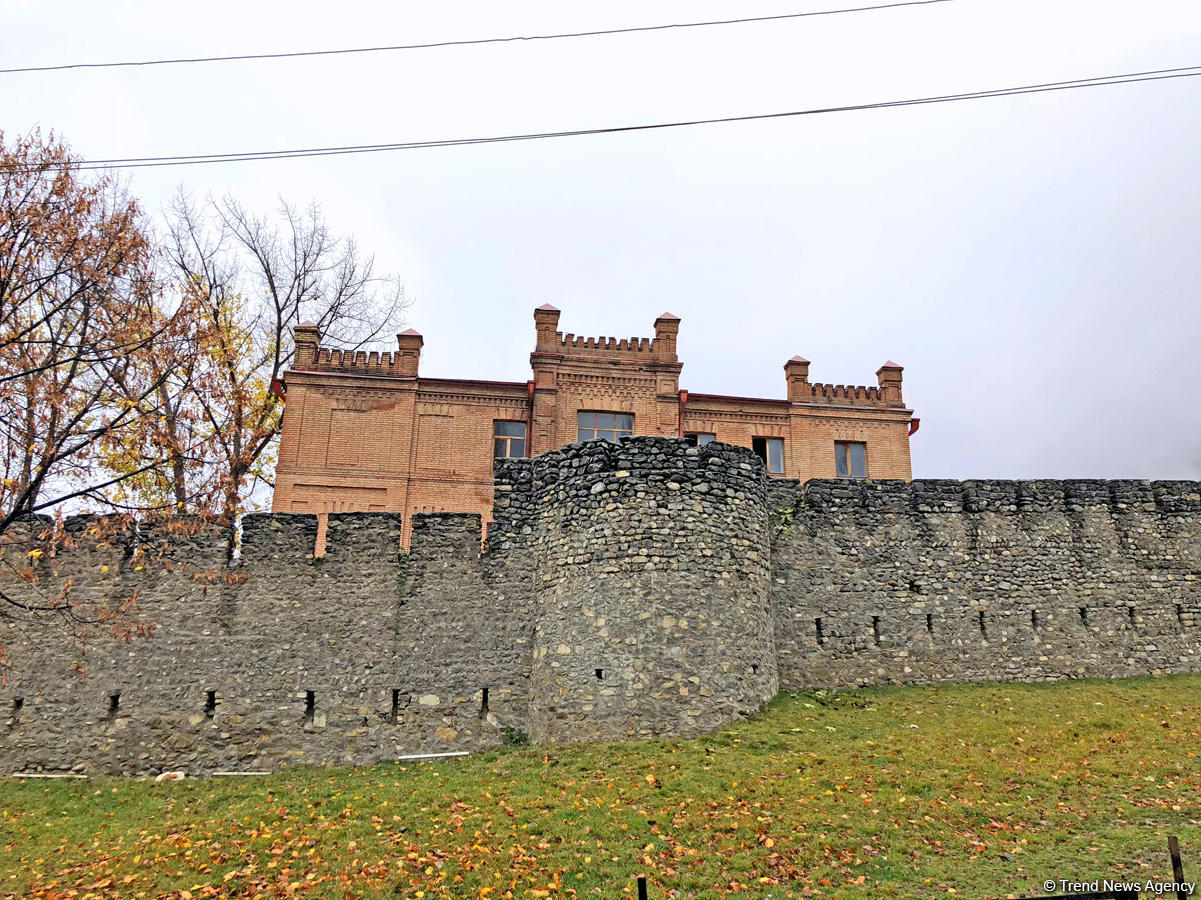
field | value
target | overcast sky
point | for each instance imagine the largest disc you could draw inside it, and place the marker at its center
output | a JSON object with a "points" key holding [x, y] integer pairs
{"points": [[1034, 262]]}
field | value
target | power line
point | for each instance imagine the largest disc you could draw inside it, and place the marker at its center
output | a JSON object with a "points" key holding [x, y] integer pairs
{"points": [[246, 156], [464, 43], [255, 155]]}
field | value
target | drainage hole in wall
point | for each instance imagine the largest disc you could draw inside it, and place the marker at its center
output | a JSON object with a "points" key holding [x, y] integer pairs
{"points": [[600, 674], [983, 625], [1130, 613], [1084, 615], [483, 702], [394, 716], [114, 703], [754, 668], [876, 630], [18, 705], [821, 635], [930, 623], [310, 705], [210, 703], [1035, 623]]}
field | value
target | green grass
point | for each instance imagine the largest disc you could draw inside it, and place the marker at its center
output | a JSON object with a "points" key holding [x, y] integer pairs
{"points": [[974, 791]]}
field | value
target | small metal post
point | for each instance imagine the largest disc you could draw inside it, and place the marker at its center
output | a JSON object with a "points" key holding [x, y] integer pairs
{"points": [[1177, 868], [642, 886]]}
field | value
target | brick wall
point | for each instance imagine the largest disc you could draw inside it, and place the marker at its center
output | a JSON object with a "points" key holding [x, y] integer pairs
{"points": [[366, 432]]}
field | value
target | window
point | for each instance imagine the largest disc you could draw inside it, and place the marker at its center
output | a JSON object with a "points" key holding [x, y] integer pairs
{"points": [[850, 459], [508, 439], [604, 426], [771, 451], [699, 438]]}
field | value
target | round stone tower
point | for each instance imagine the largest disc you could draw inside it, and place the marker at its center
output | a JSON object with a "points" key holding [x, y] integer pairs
{"points": [[651, 568]]}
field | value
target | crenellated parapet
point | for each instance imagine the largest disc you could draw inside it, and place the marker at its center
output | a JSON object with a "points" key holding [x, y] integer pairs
{"points": [[659, 349], [638, 589], [997, 496], [886, 393], [844, 394], [954, 581], [312, 357], [87, 546], [569, 480]]}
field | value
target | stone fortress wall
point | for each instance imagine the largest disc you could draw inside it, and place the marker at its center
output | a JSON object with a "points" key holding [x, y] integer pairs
{"points": [[638, 590]]}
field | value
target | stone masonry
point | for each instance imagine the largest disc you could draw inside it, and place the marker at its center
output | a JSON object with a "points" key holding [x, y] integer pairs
{"points": [[642, 589]]}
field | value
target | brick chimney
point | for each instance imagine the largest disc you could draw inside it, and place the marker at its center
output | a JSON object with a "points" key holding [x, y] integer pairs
{"points": [[889, 376], [307, 339], [796, 373], [667, 327], [408, 356], [546, 323]]}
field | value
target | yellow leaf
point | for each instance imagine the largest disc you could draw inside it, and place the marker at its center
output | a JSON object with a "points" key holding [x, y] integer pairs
{"points": [[34, 553]]}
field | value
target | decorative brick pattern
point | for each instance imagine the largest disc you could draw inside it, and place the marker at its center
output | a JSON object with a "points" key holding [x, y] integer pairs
{"points": [[364, 432]]}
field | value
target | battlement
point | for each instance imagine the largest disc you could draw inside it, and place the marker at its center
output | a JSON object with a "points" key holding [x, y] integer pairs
{"points": [[659, 349], [642, 457], [638, 589], [1003, 497], [312, 357], [592, 472], [595, 472], [362, 361], [887, 393], [845, 394], [579, 342]]}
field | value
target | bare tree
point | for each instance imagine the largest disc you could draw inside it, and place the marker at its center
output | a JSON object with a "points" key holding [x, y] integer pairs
{"points": [[138, 380], [252, 279]]}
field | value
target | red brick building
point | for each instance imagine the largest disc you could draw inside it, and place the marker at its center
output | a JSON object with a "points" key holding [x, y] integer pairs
{"points": [[366, 431]]}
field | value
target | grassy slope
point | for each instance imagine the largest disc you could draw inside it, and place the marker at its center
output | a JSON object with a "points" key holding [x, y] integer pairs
{"points": [[917, 790]]}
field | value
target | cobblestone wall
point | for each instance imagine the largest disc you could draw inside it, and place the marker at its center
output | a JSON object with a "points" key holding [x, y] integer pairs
{"points": [[651, 579], [985, 580], [360, 656], [634, 590]]}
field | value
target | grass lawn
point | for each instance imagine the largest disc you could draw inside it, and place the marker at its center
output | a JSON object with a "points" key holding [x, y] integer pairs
{"points": [[973, 791]]}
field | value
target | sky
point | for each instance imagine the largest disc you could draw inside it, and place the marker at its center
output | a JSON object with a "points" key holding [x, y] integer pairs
{"points": [[1033, 262]]}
